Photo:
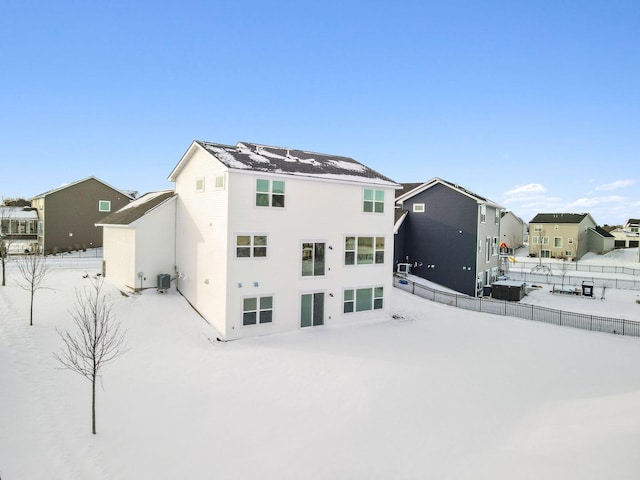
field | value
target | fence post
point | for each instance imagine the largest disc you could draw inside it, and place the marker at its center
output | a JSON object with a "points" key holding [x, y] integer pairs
{"points": [[623, 323], [413, 288]]}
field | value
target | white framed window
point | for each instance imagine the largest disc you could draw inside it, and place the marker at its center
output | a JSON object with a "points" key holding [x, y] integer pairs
{"points": [[537, 228], [373, 201], [557, 242], [495, 247], [269, 193], [200, 184], [568, 253], [313, 256], [257, 310], [362, 299], [219, 182], [104, 205], [497, 216], [545, 253], [419, 208], [483, 213], [248, 246], [363, 250], [570, 241]]}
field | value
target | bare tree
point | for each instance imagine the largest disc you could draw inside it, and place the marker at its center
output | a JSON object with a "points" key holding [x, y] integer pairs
{"points": [[5, 242], [96, 341], [33, 270]]}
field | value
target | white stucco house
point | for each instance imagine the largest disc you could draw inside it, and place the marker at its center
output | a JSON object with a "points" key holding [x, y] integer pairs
{"points": [[270, 239], [139, 241]]}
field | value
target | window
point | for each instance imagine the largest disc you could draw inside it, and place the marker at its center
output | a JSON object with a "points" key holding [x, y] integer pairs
{"points": [[312, 259], [363, 250], [483, 213], [200, 184], [570, 241], [568, 253], [557, 242], [545, 253], [373, 201], [251, 246], [219, 182], [497, 216], [269, 193], [362, 299], [494, 246], [312, 309], [537, 228], [257, 310], [487, 253], [104, 206], [634, 229], [544, 240], [418, 208]]}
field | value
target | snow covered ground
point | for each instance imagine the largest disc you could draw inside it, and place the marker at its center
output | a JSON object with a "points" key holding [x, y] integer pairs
{"points": [[436, 393]]}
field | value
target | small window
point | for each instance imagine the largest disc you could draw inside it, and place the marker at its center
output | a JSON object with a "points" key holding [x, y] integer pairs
{"points": [[104, 205], [219, 182], [418, 208], [257, 310], [537, 228], [373, 201], [483, 213], [269, 193], [251, 246], [570, 241], [497, 216], [199, 184]]}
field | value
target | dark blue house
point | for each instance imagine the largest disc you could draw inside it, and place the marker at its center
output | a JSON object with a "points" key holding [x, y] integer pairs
{"points": [[448, 235]]}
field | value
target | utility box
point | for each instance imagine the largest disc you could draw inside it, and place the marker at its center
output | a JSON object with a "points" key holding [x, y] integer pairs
{"points": [[587, 289], [511, 290], [164, 281]]}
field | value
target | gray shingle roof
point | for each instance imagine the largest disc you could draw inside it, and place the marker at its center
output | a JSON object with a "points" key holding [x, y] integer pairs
{"points": [[603, 232], [559, 218], [263, 158], [137, 209]]}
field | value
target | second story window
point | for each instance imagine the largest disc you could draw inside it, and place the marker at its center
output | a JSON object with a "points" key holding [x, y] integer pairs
{"points": [[483, 213], [269, 193], [373, 201], [312, 259], [104, 206], [251, 246], [363, 250]]}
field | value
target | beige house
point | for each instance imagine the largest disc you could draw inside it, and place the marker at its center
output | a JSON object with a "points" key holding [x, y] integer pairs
{"points": [[567, 236]]}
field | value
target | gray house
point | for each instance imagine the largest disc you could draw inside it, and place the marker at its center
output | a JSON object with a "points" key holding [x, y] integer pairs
{"points": [[67, 215], [448, 235]]}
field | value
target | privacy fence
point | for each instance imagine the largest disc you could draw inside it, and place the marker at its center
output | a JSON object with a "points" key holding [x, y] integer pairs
{"points": [[520, 310]]}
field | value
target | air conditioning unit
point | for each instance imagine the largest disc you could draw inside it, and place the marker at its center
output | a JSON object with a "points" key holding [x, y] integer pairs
{"points": [[164, 281], [403, 268]]}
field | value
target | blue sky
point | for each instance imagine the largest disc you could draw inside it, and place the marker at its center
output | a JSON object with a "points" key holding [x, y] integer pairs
{"points": [[535, 105]]}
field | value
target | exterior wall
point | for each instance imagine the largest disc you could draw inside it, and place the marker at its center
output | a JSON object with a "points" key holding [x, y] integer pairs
{"points": [[119, 255], [216, 282], [488, 258], [512, 231], [578, 233], [598, 243], [156, 244], [444, 238], [72, 212]]}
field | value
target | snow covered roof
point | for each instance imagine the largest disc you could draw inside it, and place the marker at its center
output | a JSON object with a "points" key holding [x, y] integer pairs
{"points": [[268, 159], [18, 213], [67, 185], [137, 209], [412, 189]]}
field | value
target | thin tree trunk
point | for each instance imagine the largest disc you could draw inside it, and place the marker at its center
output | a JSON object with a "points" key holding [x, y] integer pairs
{"points": [[31, 310], [93, 404], [3, 274]]}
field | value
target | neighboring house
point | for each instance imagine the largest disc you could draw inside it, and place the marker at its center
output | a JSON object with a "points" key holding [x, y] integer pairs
{"points": [[512, 231], [139, 241], [19, 229], [629, 235], [270, 239], [567, 235], [68, 214], [448, 235]]}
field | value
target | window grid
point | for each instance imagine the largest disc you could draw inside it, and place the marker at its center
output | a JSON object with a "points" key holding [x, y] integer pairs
{"points": [[373, 201], [363, 250], [257, 310], [251, 246], [269, 193], [362, 299]]}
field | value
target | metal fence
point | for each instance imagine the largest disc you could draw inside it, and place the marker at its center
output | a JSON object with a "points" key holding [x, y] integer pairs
{"points": [[528, 277], [584, 321], [577, 267]]}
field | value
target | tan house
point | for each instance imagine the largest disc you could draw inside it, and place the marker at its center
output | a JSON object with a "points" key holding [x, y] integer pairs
{"points": [[566, 236], [68, 215]]}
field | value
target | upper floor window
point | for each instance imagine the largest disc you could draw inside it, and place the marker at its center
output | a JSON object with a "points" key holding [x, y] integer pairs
{"points": [[497, 216], [219, 182], [483, 213], [419, 208], [269, 193], [200, 184], [537, 228], [251, 246], [312, 259], [104, 206], [363, 250], [373, 201]]}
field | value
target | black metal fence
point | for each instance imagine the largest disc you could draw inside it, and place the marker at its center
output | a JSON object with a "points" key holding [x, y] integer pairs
{"points": [[584, 321], [576, 267], [567, 279]]}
